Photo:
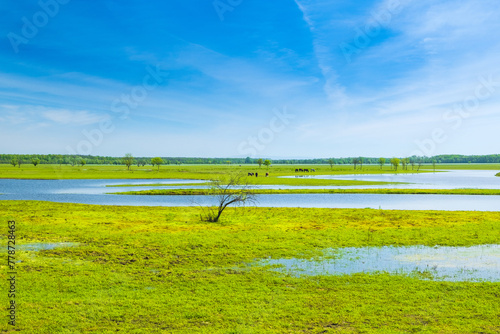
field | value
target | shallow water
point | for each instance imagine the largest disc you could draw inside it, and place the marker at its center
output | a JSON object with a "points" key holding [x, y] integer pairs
{"points": [[450, 179], [475, 263], [39, 246], [94, 192]]}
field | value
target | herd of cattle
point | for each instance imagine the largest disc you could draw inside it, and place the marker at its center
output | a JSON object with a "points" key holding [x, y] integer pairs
{"points": [[256, 174], [296, 171]]}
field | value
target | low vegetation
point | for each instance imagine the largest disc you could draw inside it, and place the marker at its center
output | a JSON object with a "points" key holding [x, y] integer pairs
{"points": [[163, 270], [192, 172]]}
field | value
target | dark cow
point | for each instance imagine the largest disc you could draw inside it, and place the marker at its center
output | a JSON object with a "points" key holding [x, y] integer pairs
{"points": [[306, 170], [267, 174], [256, 174], [296, 170], [300, 170], [250, 174]]}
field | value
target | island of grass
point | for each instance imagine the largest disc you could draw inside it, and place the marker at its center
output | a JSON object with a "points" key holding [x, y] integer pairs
{"points": [[321, 191], [157, 184], [157, 269]]}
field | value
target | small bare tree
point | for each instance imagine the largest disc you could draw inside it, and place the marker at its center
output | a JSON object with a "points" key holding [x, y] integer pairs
{"points": [[233, 189]]}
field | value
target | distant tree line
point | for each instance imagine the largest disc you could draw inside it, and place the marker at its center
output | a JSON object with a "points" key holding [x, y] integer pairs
{"points": [[35, 159]]}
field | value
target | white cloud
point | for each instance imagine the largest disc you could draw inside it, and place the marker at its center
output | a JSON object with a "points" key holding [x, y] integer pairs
{"points": [[63, 116], [323, 53], [40, 116]]}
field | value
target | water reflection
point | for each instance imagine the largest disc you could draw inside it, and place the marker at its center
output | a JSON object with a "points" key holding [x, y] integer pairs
{"points": [[475, 263]]}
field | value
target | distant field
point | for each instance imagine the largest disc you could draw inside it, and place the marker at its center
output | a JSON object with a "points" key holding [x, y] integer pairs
{"points": [[162, 270], [463, 166], [197, 172], [27, 171]]}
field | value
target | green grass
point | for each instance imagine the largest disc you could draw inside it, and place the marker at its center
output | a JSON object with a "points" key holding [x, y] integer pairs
{"points": [[207, 172], [162, 270], [192, 172], [28, 171], [157, 185], [462, 166], [323, 191]]}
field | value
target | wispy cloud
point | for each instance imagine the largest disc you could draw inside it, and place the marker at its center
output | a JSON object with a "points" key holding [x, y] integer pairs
{"points": [[225, 78], [323, 54], [43, 116], [68, 117]]}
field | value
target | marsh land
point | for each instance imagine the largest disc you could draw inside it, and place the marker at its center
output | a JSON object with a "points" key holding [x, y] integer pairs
{"points": [[142, 269]]}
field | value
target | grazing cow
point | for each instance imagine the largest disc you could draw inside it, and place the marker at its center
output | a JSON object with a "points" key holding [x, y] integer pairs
{"points": [[300, 170], [267, 174], [296, 170], [250, 174], [306, 170], [313, 170]]}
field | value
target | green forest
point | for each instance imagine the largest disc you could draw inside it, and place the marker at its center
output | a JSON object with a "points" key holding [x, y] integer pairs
{"points": [[107, 160]]}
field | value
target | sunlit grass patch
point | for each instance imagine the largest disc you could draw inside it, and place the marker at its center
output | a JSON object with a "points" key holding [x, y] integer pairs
{"points": [[323, 191], [160, 269]]}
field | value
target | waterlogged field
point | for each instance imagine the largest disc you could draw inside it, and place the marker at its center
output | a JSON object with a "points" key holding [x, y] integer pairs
{"points": [[203, 172], [207, 172], [162, 270]]}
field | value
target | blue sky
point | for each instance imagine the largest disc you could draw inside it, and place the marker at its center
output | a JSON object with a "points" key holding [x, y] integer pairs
{"points": [[237, 78]]}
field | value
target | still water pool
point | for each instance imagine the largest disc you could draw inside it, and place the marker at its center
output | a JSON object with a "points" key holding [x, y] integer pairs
{"points": [[39, 246], [475, 263]]}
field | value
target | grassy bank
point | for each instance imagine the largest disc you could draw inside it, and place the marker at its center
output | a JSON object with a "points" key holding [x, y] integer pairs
{"points": [[323, 191], [27, 171], [494, 167], [162, 270], [208, 172], [191, 172], [157, 184]]}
